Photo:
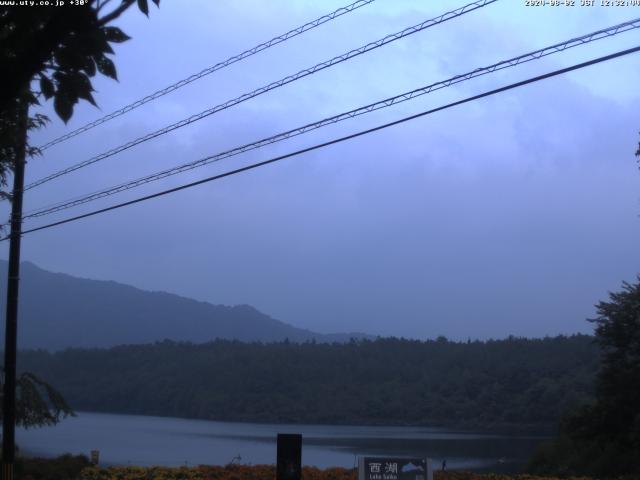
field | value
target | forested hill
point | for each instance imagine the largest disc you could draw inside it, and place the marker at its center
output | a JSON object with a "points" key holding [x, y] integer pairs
{"points": [[512, 382], [59, 311]]}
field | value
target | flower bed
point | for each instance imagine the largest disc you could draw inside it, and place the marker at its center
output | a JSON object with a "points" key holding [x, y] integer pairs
{"points": [[69, 467], [263, 472]]}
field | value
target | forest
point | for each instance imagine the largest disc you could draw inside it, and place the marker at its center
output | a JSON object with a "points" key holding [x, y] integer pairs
{"points": [[515, 383]]}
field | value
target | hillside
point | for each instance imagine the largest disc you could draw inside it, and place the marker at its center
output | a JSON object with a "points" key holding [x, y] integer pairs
{"points": [[494, 384], [59, 311]]}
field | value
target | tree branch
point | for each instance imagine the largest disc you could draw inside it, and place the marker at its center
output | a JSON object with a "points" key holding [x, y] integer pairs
{"points": [[102, 4], [115, 13]]}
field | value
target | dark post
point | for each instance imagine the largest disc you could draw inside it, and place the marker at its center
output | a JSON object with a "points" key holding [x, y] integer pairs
{"points": [[11, 320], [289, 465]]}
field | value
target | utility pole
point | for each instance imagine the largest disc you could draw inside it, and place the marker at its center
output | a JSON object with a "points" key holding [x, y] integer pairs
{"points": [[13, 280]]}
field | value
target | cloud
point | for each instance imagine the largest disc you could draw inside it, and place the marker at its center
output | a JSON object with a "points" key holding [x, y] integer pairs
{"points": [[511, 215]]}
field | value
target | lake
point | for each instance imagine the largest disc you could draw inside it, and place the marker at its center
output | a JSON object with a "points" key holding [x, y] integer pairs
{"points": [[145, 440]]}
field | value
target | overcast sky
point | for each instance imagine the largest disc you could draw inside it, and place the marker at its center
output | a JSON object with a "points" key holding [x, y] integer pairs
{"points": [[514, 214]]}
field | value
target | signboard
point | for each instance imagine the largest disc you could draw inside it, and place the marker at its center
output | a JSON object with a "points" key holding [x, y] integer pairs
{"points": [[394, 468], [289, 466]]}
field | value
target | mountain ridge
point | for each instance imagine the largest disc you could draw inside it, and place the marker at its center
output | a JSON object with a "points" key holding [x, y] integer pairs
{"points": [[58, 310]]}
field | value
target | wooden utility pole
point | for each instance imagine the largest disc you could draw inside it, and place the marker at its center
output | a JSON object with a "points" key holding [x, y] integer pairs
{"points": [[13, 280]]}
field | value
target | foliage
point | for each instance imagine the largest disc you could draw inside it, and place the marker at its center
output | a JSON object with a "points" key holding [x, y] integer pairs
{"points": [[603, 438], [37, 403], [493, 384], [617, 410], [229, 472], [69, 467], [267, 472], [59, 48], [66, 467]]}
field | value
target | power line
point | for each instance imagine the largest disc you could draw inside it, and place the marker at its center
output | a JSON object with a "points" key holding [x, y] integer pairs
{"points": [[339, 140], [218, 66], [537, 54], [279, 83]]}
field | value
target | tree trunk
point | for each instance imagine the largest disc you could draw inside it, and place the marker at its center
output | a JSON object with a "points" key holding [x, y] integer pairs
{"points": [[11, 319]]}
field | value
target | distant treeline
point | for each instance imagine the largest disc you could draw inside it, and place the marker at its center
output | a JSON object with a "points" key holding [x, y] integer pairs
{"points": [[514, 382]]}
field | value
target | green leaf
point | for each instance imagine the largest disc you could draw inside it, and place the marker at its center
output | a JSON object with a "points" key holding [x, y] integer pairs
{"points": [[63, 106], [46, 87], [37, 121], [106, 67], [115, 35], [96, 43], [144, 7], [89, 66], [106, 48], [69, 58], [80, 86], [86, 95], [31, 98]]}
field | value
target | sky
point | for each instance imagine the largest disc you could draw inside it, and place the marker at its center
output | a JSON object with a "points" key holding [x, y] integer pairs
{"points": [[511, 215]]}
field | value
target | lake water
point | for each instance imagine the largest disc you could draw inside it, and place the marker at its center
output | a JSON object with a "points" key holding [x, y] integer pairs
{"points": [[144, 440]]}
